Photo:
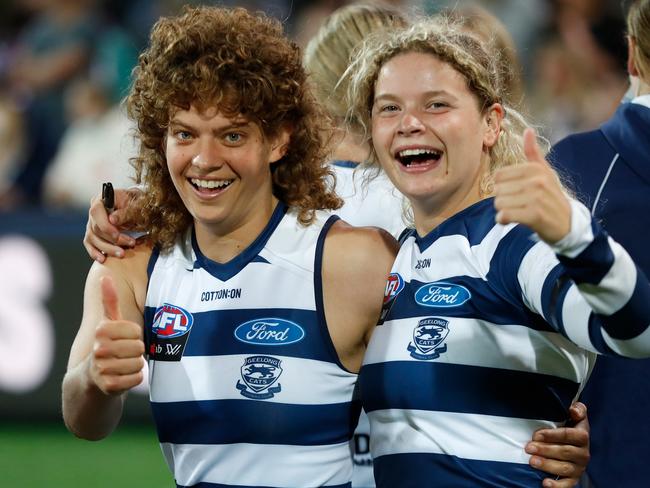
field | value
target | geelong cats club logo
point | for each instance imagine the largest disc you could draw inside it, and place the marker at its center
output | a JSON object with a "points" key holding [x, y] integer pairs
{"points": [[428, 336], [259, 374]]}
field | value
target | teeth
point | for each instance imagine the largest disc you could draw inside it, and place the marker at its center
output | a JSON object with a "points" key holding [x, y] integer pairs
{"points": [[417, 152], [210, 183]]}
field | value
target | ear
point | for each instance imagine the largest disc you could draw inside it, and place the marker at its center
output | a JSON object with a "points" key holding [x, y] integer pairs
{"points": [[493, 116], [631, 64], [280, 144]]}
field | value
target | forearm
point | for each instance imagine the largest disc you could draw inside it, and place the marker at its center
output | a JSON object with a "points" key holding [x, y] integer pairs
{"points": [[88, 412]]}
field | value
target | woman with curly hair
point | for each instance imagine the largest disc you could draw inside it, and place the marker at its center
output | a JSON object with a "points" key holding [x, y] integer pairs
{"points": [[240, 294]]}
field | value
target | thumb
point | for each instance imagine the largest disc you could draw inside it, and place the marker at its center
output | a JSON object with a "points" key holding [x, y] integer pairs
{"points": [[531, 149], [109, 299]]}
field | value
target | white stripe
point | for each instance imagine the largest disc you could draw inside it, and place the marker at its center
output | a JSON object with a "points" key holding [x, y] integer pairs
{"points": [[188, 288], [580, 234], [451, 255], [575, 317], [602, 185], [187, 380], [468, 436], [617, 286], [533, 270], [261, 465], [636, 347], [481, 343]]}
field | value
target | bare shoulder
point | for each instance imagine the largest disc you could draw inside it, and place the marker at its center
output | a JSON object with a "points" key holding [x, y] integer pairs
{"points": [[360, 248], [129, 274]]}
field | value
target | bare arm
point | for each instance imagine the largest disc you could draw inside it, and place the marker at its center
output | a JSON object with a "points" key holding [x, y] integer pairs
{"points": [[356, 264], [106, 356]]}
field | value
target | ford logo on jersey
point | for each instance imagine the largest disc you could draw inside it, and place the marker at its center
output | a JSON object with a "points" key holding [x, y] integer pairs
{"points": [[269, 332], [442, 294], [171, 321]]}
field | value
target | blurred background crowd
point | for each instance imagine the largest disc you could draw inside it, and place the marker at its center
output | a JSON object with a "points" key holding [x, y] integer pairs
{"points": [[65, 65]]}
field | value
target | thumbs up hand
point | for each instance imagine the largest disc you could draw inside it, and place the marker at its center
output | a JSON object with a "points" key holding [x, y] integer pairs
{"points": [[116, 361], [531, 194]]}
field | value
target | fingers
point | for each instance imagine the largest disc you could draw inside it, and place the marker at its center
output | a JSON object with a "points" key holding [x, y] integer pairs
{"points": [[109, 299], [117, 384], [578, 412], [573, 436], [531, 149], [561, 483]]}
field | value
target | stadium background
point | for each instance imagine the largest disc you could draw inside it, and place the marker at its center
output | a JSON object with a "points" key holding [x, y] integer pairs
{"points": [[571, 54]]}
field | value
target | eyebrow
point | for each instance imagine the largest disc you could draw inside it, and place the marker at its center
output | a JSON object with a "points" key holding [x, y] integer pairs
{"points": [[428, 94], [174, 122]]}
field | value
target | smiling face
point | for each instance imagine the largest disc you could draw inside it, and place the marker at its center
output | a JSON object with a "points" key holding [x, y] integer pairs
{"points": [[220, 167], [430, 136]]}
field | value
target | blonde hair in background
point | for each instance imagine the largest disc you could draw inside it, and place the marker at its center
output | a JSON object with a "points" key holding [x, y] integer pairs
{"points": [[327, 55], [450, 42], [638, 27], [499, 43]]}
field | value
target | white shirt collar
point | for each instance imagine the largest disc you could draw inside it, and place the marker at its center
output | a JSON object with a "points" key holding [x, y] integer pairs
{"points": [[642, 100]]}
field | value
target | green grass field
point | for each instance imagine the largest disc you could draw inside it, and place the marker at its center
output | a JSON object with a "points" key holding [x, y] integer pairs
{"points": [[48, 456]]}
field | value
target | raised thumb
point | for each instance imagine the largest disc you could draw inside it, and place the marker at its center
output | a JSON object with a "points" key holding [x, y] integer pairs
{"points": [[109, 299]]}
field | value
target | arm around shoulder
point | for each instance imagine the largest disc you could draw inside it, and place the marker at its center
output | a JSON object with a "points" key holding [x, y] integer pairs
{"points": [[106, 356]]}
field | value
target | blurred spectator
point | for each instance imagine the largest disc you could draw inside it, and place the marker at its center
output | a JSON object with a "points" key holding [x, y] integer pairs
{"points": [[51, 50], [96, 147], [11, 140]]}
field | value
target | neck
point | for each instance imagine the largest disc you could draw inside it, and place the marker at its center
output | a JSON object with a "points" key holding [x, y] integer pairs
{"points": [[221, 243]]}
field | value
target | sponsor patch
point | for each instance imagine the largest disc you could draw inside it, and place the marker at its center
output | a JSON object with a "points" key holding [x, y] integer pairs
{"points": [[428, 336], [441, 294], [170, 331], [269, 332], [259, 374]]}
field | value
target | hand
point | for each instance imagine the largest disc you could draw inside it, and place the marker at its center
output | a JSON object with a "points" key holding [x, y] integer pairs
{"points": [[564, 451], [531, 194], [116, 360], [103, 235]]}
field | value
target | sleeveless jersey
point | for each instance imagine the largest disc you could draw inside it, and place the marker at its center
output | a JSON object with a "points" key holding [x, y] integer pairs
{"points": [[477, 348], [245, 384]]}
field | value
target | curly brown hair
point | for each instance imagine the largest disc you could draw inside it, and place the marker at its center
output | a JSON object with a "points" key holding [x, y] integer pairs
{"points": [[241, 62]]}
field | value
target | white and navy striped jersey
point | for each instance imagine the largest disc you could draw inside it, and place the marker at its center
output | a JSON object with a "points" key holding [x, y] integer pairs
{"points": [[246, 386], [484, 340]]}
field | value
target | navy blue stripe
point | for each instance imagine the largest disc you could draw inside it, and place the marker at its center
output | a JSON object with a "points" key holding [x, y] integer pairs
{"points": [[596, 335], [487, 303], [344, 164], [212, 333], [219, 485], [258, 422], [420, 470], [554, 290], [625, 323], [474, 223], [225, 271], [592, 264], [318, 291], [465, 389]]}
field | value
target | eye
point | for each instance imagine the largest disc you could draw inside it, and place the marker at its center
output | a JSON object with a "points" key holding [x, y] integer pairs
{"points": [[234, 137], [389, 107], [182, 135], [436, 105]]}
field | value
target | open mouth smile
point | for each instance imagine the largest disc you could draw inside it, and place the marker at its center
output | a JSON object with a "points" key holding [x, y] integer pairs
{"points": [[210, 187], [418, 157]]}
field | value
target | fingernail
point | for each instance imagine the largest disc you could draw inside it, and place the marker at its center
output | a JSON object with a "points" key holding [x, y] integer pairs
{"points": [[531, 448], [535, 461], [119, 253], [131, 242], [538, 437]]}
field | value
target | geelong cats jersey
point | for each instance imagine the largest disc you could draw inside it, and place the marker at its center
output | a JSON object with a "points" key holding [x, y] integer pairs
{"points": [[246, 387], [478, 349]]}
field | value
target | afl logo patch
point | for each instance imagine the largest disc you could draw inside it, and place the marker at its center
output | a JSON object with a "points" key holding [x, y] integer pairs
{"points": [[394, 286], [428, 336], [269, 332], [171, 321], [169, 333], [441, 294], [259, 374]]}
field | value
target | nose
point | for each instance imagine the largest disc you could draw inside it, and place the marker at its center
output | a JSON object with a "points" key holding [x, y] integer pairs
{"points": [[409, 124], [208, 156]]}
